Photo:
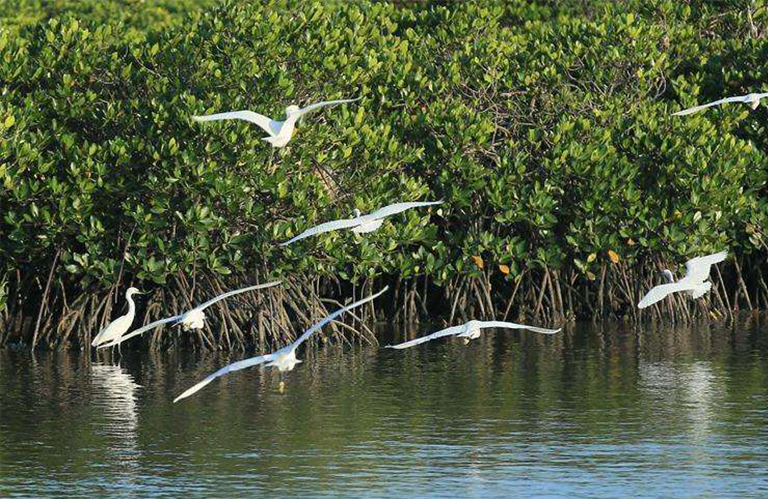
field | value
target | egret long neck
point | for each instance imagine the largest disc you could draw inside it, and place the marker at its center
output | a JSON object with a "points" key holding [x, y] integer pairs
{"points": [[131, 306]]}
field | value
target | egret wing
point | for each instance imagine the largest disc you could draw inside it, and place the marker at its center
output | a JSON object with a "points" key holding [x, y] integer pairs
{"points": [[236, 292], [266, 358], [345, 223], [512, 325], [662, 291], [253, 361], [439, 334], [269, 125], [396, 208], [312, 107], [141, 330], [685, 112], [698, 268], [332, 316]]}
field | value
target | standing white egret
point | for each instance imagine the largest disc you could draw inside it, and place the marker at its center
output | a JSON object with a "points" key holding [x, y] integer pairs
{"points": [[119, 326], [191, 319], [752, 100], [695, 280], [470, 331], [280, 132], [283, 359], [360, 224]]}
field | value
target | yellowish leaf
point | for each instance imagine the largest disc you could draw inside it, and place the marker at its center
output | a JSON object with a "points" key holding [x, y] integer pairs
{"points": [[504, 269], [613, 256], [591, 276], [591, 257], [478, 261], [630, 242]]}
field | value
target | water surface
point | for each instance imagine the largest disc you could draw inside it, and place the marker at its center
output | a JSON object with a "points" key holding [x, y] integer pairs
{"points": [[598, 411]]}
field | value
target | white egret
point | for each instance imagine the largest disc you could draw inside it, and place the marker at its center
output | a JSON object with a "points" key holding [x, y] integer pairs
{"points": [[470, 331], [283, 359], [280, 132], [191, 319], [119, 326], [360, 224], [695, 280], [752, 100]]}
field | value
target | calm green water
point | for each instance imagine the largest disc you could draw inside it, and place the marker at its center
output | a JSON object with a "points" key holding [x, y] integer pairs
{"points": [[598, 411]]}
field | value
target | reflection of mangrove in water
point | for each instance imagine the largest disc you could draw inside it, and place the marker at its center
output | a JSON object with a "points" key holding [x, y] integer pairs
{"points": [[63, 413], [499, 357], [501, 376], [354, 415]]}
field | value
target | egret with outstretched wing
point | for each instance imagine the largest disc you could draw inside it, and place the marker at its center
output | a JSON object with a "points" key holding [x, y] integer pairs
{"points": [[360, 224], [280, 132], [470, 331], [283, 359], [695, 282], [752, 100]]}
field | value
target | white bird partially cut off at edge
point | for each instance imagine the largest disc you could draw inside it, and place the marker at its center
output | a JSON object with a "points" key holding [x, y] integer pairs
{"points": [[283, 359], [119, 326], [752, 100], [191, 319], [695, 280], [280, 132], [470, 331], [360, 224]]}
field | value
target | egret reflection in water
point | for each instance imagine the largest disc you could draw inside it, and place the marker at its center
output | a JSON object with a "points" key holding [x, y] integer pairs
{"points": [[601, 410], [113, 400], [689, 390]]}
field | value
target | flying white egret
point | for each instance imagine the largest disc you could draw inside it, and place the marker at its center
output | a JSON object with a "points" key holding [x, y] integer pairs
{"points": [[283, 359], [470, 331], [191, 319], [695, 280], [753, 100], [280, 132], [119, 326], [360, 224]]}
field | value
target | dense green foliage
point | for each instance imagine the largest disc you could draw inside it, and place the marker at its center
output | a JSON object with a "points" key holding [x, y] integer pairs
{"points": [[546, 130], [140, 16]]}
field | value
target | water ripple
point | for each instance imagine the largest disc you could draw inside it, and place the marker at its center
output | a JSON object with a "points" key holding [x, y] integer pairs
{"points": [[598, 411]]}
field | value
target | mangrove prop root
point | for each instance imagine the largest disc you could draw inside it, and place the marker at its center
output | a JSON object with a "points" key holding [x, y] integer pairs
{"points": [[66, 316]]}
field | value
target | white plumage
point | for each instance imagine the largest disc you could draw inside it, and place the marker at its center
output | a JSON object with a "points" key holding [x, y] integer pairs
{"points": [[695, 280], [191, 319], [283, 359], [470, 331], [360, 224], [119, 326], [753, 100], [280, 132]]}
